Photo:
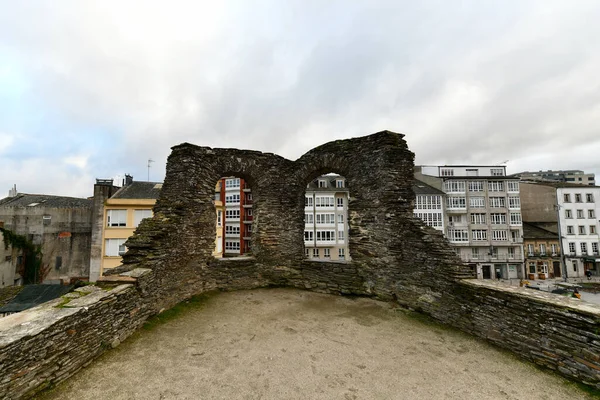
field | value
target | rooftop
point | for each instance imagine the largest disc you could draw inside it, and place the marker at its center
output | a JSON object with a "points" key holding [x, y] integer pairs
{"points": [[420, 187], [139, 190], [44, 200], [531, 231]]}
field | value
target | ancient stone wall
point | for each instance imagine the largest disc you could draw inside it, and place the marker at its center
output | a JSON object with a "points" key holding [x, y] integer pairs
{"points": [[393, 255]]}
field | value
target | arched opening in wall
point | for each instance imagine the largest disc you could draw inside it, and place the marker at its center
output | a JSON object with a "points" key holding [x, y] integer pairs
{"points": [[234, 217], [326, 226]]}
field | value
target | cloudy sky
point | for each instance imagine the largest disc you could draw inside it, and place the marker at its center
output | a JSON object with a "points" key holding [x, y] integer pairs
{"points": [[92, 89]]}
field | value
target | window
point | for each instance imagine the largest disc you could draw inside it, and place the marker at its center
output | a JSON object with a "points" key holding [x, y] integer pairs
{"points": [[430, 219], [455, 219], [514, 201], [498, 219], [568, 214], [328, 218], [232, 245], [308, 236], [499, 235], [309, 218], [249, 212], [339, 183], [497, 171], [592, 229], [589, 198], [341, 235], [515, 218], [306, 253], [326, 236], [428, 202], [554, 249], [454, 186], [542, 249], [232, 183], [458, 235], [116, 217], [591, 214], [308, 201], [532, 268], [494, 252], [570, 230], [322, 183], [47, 219], [580, 214], [476, 186], [475, 253], [472, 172], [446, 172], [581, 230], [497, 202], [574, 265], [478, 218], [324, 201], [583, 248], [530, 250], [595, 248], [511, 252], [341, 254], [479, 234], [315, 253], [477, 202], [139, 215], [232, 199], [58, 263], [512, 186], [327, 253], [219, 218], [114, 247], [340, 218], [567, 198], [249, 196], [456, 202], [340, 202], [232, 214], [496, 186], [232, 230], [572, 248], [577, 198], [515, 235]]}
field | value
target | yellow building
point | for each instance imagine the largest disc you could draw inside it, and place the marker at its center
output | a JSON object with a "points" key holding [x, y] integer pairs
{"points": [[220, 210], [123, 212]]}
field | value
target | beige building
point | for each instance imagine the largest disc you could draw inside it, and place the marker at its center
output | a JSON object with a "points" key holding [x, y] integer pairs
{"points": [[123, 212], [220, 222]]}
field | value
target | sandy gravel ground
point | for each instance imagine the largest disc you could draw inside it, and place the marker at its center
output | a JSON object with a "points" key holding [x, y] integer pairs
{"points": [[288, 344]]}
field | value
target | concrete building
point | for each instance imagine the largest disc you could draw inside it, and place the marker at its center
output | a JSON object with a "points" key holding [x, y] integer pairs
{"points": [[542, 253], [429, 205], [566, 176], [60, 225], [482, 217], [236, 196], [326, 219]]}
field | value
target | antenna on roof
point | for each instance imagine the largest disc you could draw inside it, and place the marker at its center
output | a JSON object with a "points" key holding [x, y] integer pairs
{"points": [[149, 161]]}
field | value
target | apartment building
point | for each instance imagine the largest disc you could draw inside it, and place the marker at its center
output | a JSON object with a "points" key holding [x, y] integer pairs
{"points": [[566, 176], [429, 205], [123, 212], [542, 253], [579, 208], [236, 197], [482, 217], [326, 219]]}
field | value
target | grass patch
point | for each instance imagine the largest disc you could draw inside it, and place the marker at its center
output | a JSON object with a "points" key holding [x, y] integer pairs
{"points": [[63, 303], [193, 303]]}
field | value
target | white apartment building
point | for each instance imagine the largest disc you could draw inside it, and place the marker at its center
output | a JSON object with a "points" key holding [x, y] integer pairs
{"points": [[429, 205], [482, 217], [236, 197], [326, 219], [579, 210]]}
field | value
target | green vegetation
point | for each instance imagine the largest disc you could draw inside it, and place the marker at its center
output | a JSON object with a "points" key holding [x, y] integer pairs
{"points": [[193, 303], [31, 266]]}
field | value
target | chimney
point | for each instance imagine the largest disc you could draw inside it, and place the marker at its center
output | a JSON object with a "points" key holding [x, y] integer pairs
{"points": [[128, 179], [13, 192]]}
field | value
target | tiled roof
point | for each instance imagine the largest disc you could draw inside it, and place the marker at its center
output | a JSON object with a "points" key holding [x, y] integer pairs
{"points": [[534, 232], [139, 190], [420, 187], [43, 200]]}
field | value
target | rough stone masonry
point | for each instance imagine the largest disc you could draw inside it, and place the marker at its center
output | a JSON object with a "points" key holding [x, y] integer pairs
{"points": [[393, 257]]}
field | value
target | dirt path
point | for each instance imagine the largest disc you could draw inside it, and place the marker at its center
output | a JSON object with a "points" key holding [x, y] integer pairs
{"points": [[288, 344]]}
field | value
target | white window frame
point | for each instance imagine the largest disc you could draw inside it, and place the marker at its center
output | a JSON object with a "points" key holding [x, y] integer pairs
{"points": [[479, 235], [114, 247], [116, 218], [478, 218], [326, 253], [309, 236], [477, 202], [498, 218], [499, 235], [475, 186], [496, 186]]}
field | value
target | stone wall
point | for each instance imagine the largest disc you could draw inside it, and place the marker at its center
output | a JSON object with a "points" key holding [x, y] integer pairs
{"points": [[45, 345], [555, 332]]}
